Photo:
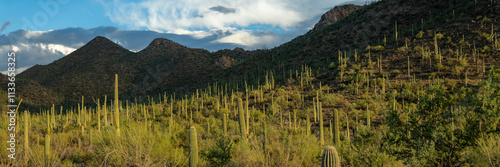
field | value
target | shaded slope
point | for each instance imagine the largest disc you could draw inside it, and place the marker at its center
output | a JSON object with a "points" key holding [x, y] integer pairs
{"points": [[167, 66], [88, 71]]}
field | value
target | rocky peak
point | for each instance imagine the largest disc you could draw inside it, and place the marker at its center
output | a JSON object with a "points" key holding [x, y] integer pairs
{"points": [[335, 14]]}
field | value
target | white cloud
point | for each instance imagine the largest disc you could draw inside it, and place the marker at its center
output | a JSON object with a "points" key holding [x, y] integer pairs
{"points": [[15, 48], [29, 54], [32, 34], [170, 16], [247, 39], [196, 34], [200, 18], [54, 48], [48, 48], [18, 70]]}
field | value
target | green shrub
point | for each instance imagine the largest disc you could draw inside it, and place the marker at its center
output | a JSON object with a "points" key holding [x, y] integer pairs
{"points": [[486, 49], [220, 154], [420, 34], [439, 36], [329, 100], [378, 48], [486, 152], [417, 49]]}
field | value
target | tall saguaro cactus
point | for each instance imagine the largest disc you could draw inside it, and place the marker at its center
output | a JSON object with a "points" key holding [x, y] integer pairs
{"points": [[321, 133], [330, 157], [308, 125], [98, 116], [224, 122], [247, 116], [368, 122], [336, 126], [242, 120], [105, 112], [117, 107], [26, 146], [193, 147], [47, 149]]}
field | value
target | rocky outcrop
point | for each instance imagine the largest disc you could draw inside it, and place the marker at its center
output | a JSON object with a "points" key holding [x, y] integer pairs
{"points": [[335, 14]]}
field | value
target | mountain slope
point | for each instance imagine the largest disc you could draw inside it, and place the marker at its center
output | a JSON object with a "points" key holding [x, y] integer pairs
{"points": [[168, 66], [87, 71]]}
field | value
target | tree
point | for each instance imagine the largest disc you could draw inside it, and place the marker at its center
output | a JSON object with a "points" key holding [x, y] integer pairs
{"points": [[220, 154]]}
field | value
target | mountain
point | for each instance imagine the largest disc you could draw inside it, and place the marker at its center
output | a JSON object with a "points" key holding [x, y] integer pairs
{"points": [[87, 71], [165, 66]]}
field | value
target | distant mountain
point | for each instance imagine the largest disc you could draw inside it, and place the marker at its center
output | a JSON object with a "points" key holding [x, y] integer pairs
{"points": [[88, 71], [165, 66]]}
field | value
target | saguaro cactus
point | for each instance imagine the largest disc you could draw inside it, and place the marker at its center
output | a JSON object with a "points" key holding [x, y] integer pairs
{"points": [[368, 122], [98, 116], [117, 107], [247, 116], [242, 120], [105, 112], [26, 146], [308, 125], [47, 149], [26, 129], [321, 134], [193, 147], [336, 127], [330, 157], [79, 116], [224, 121], [347, 128], [48, 122]]}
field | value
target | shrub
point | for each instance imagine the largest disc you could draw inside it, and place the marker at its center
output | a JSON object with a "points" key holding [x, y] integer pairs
{"points": [[330, 100], [439, 36], [486, 152], [220, 154], [378, 48], [332, 65], [486, 49], [417, 49], [420, 34]]}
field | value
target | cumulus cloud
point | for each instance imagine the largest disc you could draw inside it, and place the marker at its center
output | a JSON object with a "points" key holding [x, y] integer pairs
{"points": [[202, 18], [247, 38], [18, 70], [29, 54]]}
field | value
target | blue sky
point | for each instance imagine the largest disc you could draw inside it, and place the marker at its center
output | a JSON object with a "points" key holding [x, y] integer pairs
{"points": [[68, 13], [41, 31]]}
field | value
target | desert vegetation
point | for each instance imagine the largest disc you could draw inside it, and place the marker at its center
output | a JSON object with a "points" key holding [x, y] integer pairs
{"points": [[420, 96]]}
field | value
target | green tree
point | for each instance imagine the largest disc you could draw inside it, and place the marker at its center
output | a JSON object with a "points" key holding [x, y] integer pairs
{"points": [[220, 154]]}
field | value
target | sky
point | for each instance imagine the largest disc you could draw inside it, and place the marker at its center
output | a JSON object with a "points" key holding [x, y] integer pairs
{"points": [[42, 31]]}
